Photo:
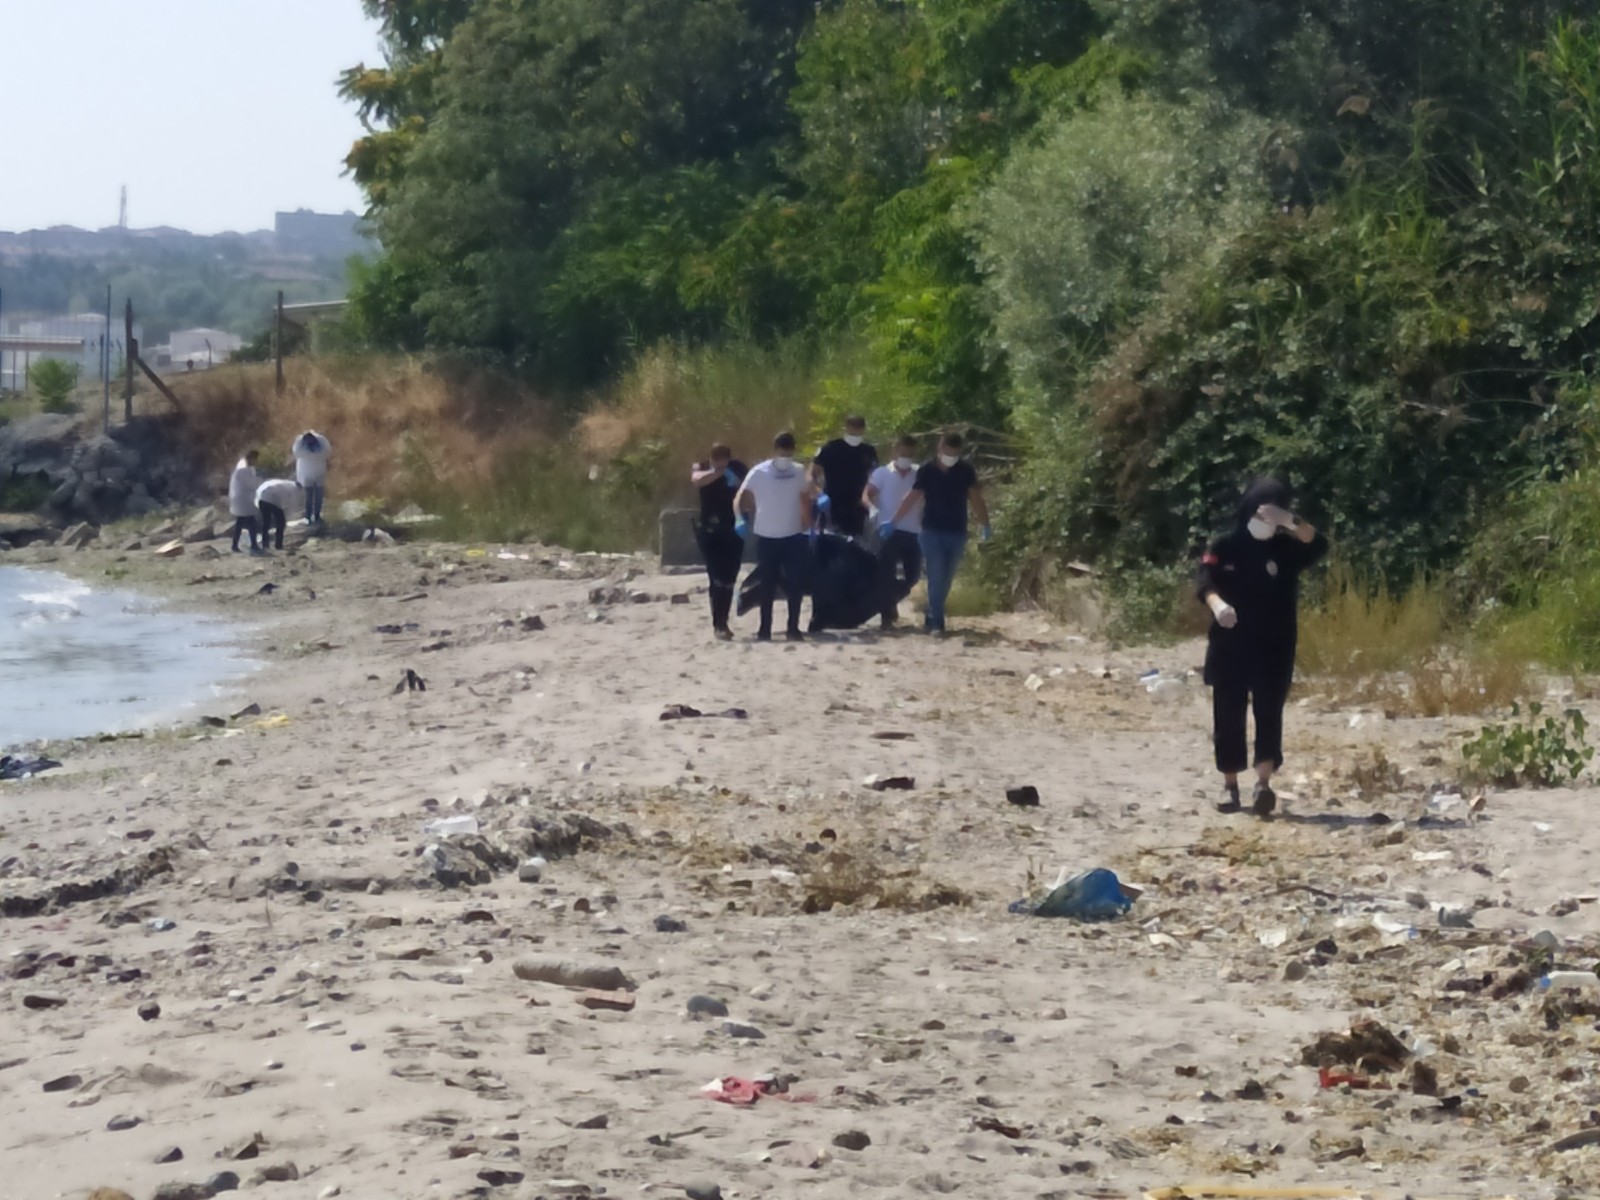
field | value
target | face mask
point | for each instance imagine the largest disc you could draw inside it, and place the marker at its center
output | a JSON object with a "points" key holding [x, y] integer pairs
{"points": [[781, 463], [852, 439], [949, 460], [1261, 530], [904, 464]]}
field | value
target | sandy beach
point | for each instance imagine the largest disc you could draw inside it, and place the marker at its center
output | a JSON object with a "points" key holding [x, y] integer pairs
{"points": [[339, 1012]]}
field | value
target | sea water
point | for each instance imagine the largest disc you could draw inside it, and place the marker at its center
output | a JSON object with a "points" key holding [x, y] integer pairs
{"points": [[76, 660]]}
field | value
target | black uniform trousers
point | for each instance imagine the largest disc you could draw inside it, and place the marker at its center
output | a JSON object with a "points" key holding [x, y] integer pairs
{"points": [[724, 553], [1261, 689]]}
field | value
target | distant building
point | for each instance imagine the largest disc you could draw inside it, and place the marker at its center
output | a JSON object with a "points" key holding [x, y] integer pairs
{"points": [[201, 347], [323, 234], [27, 339]]}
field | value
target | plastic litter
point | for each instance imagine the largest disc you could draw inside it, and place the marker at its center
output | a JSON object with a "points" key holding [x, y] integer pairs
{"points": [[1095, 895], [24, 768], [445, 826], [1569, 979]]}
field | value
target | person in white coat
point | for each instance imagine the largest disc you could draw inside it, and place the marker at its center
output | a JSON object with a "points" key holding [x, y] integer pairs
{"points": [[311, 450], [242, 500], [275, 498]]}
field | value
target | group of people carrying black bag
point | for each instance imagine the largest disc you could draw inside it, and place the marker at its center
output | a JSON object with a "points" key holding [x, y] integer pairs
{"points": [[853, 533]]}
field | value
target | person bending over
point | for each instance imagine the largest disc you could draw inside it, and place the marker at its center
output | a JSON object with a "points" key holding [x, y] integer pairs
{"points": [[275, 498], [1250, 580]]}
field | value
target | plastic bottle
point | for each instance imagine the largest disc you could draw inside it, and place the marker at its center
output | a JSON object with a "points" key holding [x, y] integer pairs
{"points": [[445, 826], [1569, 979]]}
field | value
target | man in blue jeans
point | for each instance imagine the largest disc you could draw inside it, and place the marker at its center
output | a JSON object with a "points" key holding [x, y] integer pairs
{"points": [[943, 489], [780, 492]]}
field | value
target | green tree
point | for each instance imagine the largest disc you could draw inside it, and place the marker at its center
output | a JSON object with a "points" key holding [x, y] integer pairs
{"points": [[53, 383]]}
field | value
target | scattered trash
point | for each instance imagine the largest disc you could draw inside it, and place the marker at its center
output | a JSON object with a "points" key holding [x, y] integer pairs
{"points": [[1033, 683], [1395, 933], [12, 769], [743, 1093], [161, 924], [445, 826], [1368, 1045], [410, 681], [1096, 895], [1026, 796], [889, 783], [1569, 979], [611, 1001], [1455, 918], [683, 712], [1328, 1077]]}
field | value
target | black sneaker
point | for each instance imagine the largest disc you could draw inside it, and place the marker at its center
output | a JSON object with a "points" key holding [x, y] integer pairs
{"points": [[764, 635], [1230, 799], [794, 635], [1264, 799], [723, 633]]}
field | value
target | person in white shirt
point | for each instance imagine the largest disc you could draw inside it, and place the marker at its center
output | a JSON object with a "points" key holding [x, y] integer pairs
{"points": [[311, 450], [274, 498], [902, 550], [779, 491], [242, 500]]}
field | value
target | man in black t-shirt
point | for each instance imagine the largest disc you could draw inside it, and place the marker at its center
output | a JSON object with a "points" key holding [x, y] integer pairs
{"points": [[841, 469], [943, 489], [718, 480]]}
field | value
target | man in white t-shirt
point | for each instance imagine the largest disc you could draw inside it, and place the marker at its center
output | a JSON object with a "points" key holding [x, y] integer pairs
{"points": [[886, 491], [311, 450], [275, 498], [780, 493]]}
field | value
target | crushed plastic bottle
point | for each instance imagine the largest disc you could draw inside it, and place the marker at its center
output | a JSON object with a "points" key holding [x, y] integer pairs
{"points": [[1394, 932], [1569, 979], [445, 826]]}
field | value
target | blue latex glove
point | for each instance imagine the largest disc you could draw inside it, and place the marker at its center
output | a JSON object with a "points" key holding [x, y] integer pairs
{"points": [[824, 503], [885, 530], [731, 477], [985, 533], [742, 528]]}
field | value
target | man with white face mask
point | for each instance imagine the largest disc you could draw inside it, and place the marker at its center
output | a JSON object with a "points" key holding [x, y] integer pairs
{"points": [[942, 492], [842, 469], [1250, 580], [779, 492], [901, 550]]}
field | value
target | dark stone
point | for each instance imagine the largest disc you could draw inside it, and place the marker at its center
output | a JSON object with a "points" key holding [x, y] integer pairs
{"points": [[666, 924], [171, 1154], [149, 1010], [706, 1006], [852, 1139]]}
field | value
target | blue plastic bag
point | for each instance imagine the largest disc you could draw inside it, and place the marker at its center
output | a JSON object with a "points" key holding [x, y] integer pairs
{"points": [[1088, 896]]}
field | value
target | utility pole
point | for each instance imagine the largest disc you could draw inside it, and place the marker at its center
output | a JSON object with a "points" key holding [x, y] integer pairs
{"points": [[277, 341], [105, 362], [131, 349]]}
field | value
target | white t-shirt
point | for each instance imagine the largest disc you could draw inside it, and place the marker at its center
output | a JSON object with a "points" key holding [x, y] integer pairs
{"points": [[285, 493], [778, 495], [311, 466], [242, 490], [893, 488]]}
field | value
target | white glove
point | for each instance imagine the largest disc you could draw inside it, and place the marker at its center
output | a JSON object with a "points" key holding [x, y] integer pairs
{"points": [[1272, 514], [1224, 612]]}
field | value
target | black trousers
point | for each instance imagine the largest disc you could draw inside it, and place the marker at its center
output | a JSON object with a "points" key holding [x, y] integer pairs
{"points": [[273, 521], [724, 553], [785, 560], [1264, 692], [847, 514], [900, 550], [245, 525]]}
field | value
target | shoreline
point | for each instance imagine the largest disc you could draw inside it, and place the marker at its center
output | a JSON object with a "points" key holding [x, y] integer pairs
{"points": [[334, 984]]}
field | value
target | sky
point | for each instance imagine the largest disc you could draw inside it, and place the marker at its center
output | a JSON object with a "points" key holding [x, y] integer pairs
{"points": [[215, 113]]}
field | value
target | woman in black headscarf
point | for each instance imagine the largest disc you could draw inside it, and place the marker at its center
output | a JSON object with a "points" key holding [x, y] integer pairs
{"points": [[1250, 580]]}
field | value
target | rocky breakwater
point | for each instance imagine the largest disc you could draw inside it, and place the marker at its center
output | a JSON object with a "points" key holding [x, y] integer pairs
{"points": [[57, 471]]}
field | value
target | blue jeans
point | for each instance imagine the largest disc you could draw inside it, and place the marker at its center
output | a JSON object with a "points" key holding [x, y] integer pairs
{"points": [[942, 554], [314, 501], [785, 560]]}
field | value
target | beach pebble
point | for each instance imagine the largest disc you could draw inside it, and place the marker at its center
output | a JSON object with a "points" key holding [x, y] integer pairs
{"points": [[183, 1191], [171, 1154], [118, 1124], [1295, 970], [532, 870], [149, 1010], [706, 1006], [44, 1001], [277, 1173], [735, 1030], [665, 924], [852, 1139], [64, 1083], [222, 1181], [702, 1189]]}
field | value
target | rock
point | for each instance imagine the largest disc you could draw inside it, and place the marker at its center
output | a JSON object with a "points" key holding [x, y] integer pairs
{"points": [[1455, 918], [1295, 970], [37, 1001], [601, 1121], [706, 1006], [183, 1191], [999, 1037], [1026, 796], [666, 924], [572, 974], [208, 554], [852, 1139], [118, 1124], [149, 1010], [681, 598], [610, 1001], [748, 1032], [109, 1194], [201, 531], [277, 1173], [702, 1189], [378, 537], [64, 1083], [173, 549], [531, 870], [247, 1149], [171, 1154], [222, 1181]]}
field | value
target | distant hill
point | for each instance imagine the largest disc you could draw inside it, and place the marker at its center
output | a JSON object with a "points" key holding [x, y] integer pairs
{"points": [[176, 278]]}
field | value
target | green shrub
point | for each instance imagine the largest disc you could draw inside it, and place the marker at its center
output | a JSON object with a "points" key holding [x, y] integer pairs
{"points": [[1530, 752], [53, 382]]}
